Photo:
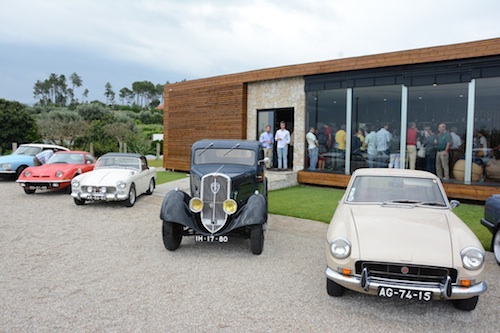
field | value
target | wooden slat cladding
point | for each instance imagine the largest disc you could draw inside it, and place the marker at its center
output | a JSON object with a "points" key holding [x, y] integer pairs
{"points": [[418, 56], [217, 112], [453, 190]]}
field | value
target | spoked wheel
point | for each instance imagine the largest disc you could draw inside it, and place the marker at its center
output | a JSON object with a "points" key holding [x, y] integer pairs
{"points": [[151, 187], [334, 289], [257, 238], [172, 235], [79, 202], [495, 245], [28, 191], [132, 197]]}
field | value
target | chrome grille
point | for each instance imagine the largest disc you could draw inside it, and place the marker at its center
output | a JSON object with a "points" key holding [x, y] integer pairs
{"points": [[97, 189], [215, 189], [401, 272]]}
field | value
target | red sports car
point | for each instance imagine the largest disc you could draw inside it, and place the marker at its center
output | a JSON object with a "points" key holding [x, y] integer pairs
{"points": [[57, 173]]}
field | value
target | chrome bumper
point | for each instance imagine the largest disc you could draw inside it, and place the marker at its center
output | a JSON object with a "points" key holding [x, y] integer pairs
{"points": [[104, 197], [371, 285]]}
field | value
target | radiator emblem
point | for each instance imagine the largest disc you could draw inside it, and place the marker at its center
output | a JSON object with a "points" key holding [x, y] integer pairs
{"points": [[214, 187]]}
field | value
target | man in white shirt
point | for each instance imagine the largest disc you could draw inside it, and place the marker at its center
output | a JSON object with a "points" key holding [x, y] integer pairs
{"points": [[267, 140], [312, 147], [282, 138]]}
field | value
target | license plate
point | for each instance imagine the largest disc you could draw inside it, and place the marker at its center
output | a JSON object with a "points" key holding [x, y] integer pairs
{"points": [[38, 187], [211, 239], [97, 197], [418, 295]]}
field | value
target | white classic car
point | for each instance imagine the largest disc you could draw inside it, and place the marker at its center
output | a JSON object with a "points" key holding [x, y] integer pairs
{"points": [[394, 235], [116, 177]]}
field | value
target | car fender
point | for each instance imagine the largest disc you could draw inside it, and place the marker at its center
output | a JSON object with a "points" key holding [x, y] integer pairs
{"points": [[175, 208], [254, 212]]}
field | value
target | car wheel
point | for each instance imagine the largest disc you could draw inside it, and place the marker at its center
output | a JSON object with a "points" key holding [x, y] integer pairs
{"points": [[79, 202], [257, 238], [334, 289], [131, 197], [28, 191], [172, 235], [20, 170], [151, 187], [466, 304], [495, 245]]}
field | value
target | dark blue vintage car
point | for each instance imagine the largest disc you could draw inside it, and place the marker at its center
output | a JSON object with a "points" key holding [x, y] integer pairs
{"points": [[491, 220], [228, 196]]}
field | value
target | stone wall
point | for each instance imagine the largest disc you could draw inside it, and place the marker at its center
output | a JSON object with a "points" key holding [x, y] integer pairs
{"points": [[274, 94]]}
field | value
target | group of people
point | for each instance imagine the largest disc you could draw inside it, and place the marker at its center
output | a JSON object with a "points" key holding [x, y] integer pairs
{"points": [[283, 139], [434, 152]]}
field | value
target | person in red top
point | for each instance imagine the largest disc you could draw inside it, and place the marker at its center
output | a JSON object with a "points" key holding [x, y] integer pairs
{"points": [[411, 145]]}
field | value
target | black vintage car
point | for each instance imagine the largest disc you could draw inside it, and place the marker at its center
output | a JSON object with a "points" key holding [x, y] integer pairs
{"points": [[491, 220], [228, 196]]}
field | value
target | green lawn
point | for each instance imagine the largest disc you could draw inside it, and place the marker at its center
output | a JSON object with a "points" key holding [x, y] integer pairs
{"points": [[319, 204]]}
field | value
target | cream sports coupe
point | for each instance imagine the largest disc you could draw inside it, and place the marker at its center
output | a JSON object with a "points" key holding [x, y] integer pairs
{"points": [[116, 177], [394, 235]]}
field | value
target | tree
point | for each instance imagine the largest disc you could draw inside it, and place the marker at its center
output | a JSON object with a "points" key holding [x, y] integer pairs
{"points": [[94, 111], [126, 95], [76, 82], [61, 126], [51, 91], [16, 124], [109, 93], [85, 95]]}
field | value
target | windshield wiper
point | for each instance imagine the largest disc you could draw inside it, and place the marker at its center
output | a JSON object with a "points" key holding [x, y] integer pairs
{"points": [[205, 149], [403, 201], [433, 203], [230, 150]]}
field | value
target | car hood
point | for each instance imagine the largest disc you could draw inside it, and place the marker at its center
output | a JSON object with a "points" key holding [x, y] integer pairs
{"points": [[106, 177], [414, 235], [17, 159]]}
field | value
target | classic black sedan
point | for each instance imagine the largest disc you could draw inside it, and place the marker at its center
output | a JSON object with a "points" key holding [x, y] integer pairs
{"points": [[228, 196], [491, 220]]}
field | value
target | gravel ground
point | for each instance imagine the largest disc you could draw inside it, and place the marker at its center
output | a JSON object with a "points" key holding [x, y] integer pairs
{"points": [[103, 268]]}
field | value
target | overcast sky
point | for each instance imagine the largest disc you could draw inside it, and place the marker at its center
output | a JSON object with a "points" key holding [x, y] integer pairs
{"points": [[123, 41]]}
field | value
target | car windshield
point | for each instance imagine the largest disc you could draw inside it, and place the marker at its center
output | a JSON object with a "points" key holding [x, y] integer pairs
{"points": [[27, 150], [118, 162], [66, 158], [396, 190], [224, 156]]}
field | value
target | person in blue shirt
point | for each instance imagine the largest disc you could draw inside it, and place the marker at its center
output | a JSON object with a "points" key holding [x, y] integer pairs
{"points": [[267, 140]]}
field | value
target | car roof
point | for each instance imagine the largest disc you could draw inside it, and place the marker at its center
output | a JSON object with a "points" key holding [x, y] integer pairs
{"points": [[229, 143], [44, 146], [123, 155], [393, 172]]}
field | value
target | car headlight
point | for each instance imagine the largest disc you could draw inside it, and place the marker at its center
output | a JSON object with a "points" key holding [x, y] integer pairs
{"points": [[75, 183], [7, 166], [472, 258], [59, 173], [230, 206], [121, 184], [340, 248], [102, 189], [196, 205], [27, 173]]}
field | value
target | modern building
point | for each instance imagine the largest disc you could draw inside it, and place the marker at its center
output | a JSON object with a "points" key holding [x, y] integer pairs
{"points": [[456, 85]]}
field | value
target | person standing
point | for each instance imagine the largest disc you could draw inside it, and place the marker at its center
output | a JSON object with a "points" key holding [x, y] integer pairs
{"points": [[442, 156], [430, 145], [383, 138], [411, 145], [455, 150], [340, 145], [312, 147], [371, 146], [282, 138], [394, 151], [267, 140]]}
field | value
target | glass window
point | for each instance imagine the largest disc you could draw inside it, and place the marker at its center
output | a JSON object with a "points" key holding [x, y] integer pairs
{"points": [[326, 112], [432, 105], [486, 141], [376, 122]]}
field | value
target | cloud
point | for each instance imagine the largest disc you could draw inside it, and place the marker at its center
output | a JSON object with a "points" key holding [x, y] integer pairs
{"points": [[171, 40]]}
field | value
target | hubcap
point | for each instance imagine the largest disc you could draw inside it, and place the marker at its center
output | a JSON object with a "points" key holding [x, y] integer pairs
{"points": [[496, 246]]}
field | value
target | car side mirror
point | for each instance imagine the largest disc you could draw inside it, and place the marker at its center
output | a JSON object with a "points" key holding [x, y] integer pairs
{"points": [[454, 203]]}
